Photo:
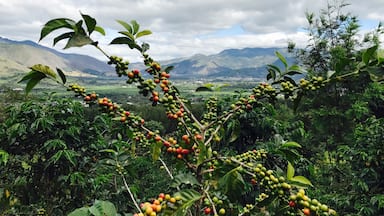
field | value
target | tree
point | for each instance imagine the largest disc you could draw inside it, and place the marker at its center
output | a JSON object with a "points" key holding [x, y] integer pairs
{"points": [[333, 116]]}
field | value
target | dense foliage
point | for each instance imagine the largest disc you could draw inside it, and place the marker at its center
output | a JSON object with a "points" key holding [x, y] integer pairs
{"points": [[344, 119], [241, 155]]}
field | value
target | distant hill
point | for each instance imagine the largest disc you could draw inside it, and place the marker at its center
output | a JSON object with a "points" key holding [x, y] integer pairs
{"points": [[230, 63], [17, 56]]}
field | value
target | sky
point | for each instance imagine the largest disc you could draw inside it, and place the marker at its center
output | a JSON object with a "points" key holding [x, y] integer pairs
{"points": [[180, 28]]}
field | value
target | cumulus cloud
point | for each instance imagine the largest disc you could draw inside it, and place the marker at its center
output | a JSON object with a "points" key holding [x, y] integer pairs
{"points": [[180, 28]]}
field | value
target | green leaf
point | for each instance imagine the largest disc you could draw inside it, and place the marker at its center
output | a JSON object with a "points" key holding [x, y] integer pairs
{"points": [[267, 201], [62, 75], [189, 197], [290, 155], [143, 33], [293, 72], [330, 74], [295, 68], [156, 150], [55, 24], [125, 40], [4, 156], [70, 156], [78, 40], [289, 79], [301, 180], [62, 37], [79, 28], [202, 153], [56, 157], [291, 144], [169, 68], [184, 178], [129, 35], [103, 208], [109, 151], [54, 144], [84, 211], [33, 81], [44, 69], [290, 171], [367, 55], [135, 27], [127, 26], [378, 200], [376, 73], [28, 76], [282, 59], [274, 68], [232, 182], [90, 22], [234, 128], [271, 74], [380, 56], [100, 30], [25, 165]]}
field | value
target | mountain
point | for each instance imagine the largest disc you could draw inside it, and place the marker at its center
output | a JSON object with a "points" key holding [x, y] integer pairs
{"points": [[230, 63], [249, 63], [17, 56]]}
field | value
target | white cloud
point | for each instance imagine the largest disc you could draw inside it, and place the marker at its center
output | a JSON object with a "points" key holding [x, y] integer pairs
{"points": [[180, 28]]}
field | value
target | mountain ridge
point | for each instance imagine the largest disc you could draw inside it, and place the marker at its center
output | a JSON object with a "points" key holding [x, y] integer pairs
{"points": [[17, 56]]}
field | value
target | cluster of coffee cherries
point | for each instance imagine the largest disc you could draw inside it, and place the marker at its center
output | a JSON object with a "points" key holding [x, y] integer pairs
{"points": [[270, 184], [243, 104], [174, 110], [181, 149], [211, 110], [264, 89], [115, 109], [120, 66], [247, 209], [219, 205], [314, 83], [251, 156], [287, 88], [79, 90], [160, 204], [147, 87], [301, 202]]}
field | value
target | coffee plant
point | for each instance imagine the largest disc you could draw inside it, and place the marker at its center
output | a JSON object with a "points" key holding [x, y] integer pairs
{"points": [[205, 180]]}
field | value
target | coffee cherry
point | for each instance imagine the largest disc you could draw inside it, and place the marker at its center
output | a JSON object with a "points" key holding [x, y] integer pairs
{"points": [[207, 211]]}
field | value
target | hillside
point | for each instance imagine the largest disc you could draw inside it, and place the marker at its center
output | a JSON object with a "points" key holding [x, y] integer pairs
{"points": [[17, 56], [250, 63], [229, 64]]}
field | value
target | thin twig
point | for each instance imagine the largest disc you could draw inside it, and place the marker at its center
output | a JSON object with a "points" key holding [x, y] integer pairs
{"points": [[166, 168], [130, 194]]}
